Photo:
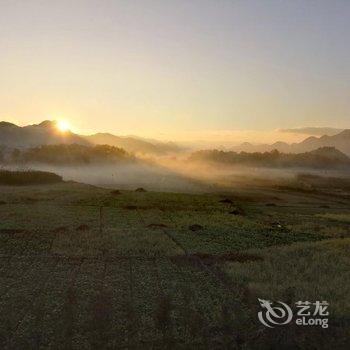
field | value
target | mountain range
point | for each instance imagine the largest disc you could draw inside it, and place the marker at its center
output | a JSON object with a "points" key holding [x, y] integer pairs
{"points": [[46, 133], [340, 141]]}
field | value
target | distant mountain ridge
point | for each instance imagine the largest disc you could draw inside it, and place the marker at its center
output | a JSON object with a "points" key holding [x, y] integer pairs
{"points": [[46, 133], [340, 141]]}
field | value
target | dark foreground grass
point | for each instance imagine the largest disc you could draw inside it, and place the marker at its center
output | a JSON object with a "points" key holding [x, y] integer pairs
{"points": [[89, 268], [301, 272], [28, 177]]}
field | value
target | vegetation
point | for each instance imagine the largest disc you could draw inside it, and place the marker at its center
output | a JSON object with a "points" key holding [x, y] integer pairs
{"points": [[72, 154], [318, 181], [339, 217], [87, 267], [28, 177], [300, 272], [326, 157]]}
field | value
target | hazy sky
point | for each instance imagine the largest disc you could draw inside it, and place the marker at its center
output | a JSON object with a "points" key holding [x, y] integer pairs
{"points": [[171, 68]]}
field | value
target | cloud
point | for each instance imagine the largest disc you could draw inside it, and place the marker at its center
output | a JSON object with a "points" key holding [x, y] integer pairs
{"points": [[315, 131]]}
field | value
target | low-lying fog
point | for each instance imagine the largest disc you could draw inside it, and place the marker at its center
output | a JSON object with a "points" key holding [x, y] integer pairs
{"points": [[125, 176], [178, 175]]}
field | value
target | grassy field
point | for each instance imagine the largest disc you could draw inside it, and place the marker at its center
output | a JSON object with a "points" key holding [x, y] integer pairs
{"points": [[84, 267]]}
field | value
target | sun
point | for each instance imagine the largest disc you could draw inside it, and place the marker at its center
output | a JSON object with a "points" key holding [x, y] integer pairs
{"points": [[62, 125]]}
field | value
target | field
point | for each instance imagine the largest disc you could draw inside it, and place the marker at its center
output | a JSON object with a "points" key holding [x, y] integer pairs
{"points": [[84, 267]]}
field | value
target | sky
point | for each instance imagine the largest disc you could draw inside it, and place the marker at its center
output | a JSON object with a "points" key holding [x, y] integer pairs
{"points": [[176, 69]]}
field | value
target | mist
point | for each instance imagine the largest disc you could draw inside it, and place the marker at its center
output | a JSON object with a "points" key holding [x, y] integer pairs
{"points": [[125, 176], [171, 174]]}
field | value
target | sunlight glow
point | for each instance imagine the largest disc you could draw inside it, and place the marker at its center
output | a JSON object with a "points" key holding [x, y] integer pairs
{"points": [[63, 125]]}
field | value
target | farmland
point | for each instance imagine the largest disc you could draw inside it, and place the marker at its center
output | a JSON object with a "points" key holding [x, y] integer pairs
{"points": [[84, 267]]}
